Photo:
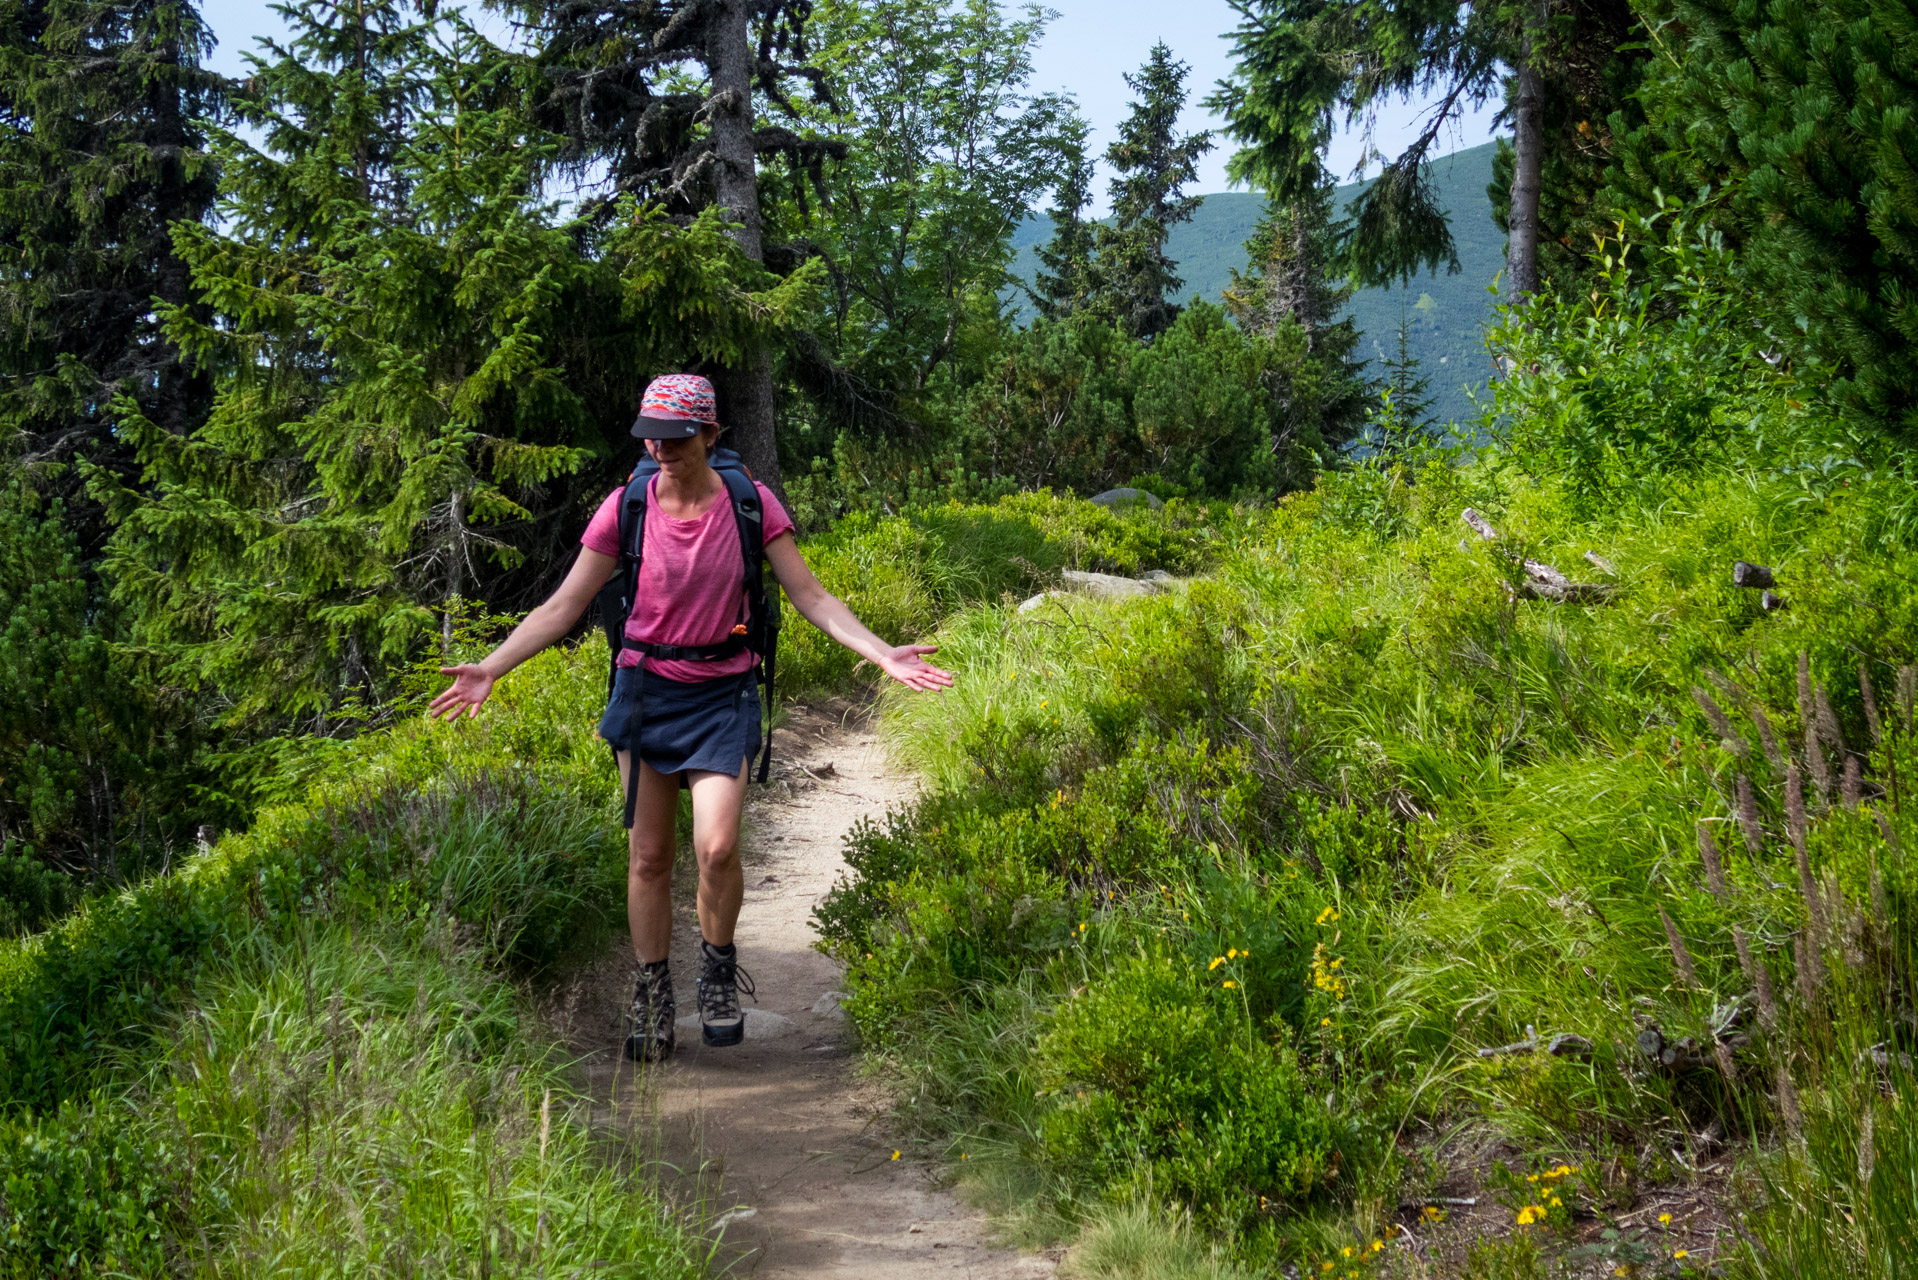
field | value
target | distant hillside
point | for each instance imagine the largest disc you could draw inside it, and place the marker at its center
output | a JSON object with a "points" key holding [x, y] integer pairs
{"points": [[1444, 314]]}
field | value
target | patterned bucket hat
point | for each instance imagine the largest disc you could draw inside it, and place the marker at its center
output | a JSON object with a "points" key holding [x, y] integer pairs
{"points": [[676, 406]]}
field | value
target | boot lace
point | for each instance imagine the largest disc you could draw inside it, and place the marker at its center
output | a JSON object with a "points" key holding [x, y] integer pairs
{"points": [[721, 981]]}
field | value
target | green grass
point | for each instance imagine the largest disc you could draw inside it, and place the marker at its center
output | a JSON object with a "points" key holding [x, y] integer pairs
{"points": [[308, 1052], [1430, 815]]}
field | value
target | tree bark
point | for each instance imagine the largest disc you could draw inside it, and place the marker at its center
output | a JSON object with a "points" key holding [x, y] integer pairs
{"points": [[1528, 147], [746, 389]]}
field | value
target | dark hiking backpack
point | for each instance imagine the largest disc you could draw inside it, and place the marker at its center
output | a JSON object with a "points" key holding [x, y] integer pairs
{"points": [[758, 630]]}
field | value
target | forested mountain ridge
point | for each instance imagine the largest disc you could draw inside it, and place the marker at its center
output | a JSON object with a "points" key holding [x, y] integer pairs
{"points": [[1445, 314]]}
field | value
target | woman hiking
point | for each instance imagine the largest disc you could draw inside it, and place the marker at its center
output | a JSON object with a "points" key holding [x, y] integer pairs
{"points": [[684, 710]]}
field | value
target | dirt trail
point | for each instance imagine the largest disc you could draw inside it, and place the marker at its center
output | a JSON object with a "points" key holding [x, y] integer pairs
{"points": [[779, 1138]]}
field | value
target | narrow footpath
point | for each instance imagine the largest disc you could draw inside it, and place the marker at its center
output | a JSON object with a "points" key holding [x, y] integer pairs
{"points": [[778, 1144]]}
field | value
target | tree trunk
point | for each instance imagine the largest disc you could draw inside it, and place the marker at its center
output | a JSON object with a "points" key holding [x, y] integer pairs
{"points": [[1528, 147], [746, 390]]}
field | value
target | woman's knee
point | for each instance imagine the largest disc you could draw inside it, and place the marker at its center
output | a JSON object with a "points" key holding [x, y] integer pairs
{"points": [[716, 851], [649, 859]]}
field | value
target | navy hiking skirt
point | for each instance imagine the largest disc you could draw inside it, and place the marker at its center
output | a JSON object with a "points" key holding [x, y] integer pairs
{"points": [[709, 725]]}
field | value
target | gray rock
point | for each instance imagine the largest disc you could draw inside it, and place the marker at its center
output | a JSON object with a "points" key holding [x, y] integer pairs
{"points": [[1159, 576], [1105, 586], [1123, 499], [1027, 606]]}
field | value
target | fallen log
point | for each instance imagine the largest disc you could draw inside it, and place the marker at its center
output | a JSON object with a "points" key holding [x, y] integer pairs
{"points": [[1542, 581], [1562, 1045]]}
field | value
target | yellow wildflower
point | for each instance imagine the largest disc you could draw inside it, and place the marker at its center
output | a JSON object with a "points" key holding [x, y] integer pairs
{"points": [[1325, 1022], [1229, 984], [1216, 962], [1664, 1219], [895, 1155], [1377, 1245], [1328, 915], [1346, 1252], [1681, 1253]]}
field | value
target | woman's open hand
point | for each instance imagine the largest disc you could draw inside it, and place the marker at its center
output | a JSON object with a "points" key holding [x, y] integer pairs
{"points": [[471, 684], [907, 664]]}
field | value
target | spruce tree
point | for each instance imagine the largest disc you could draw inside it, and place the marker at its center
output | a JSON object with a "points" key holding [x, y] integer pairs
{"points": [[672, 98], [102, 151], [101, 767], [1404, 416], [404, 343], [1065, 284], [1135, 278], [1293, 293], [1306, 65]]}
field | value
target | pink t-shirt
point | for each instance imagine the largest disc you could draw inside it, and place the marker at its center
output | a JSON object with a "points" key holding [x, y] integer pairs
{"points": [[691, 579]]}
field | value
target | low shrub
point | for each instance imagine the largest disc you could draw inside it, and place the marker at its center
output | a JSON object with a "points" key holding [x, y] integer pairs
{"points": [[86, 1189], [1164, 1087]]}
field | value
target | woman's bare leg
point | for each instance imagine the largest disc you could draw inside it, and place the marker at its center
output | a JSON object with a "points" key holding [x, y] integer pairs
{"points": [[649, 865], [717, 801]]}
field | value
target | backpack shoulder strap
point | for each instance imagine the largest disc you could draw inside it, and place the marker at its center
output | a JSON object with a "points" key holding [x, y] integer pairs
{"points": [[750, 515], [632, 517], [762, 624], [616, 598]]}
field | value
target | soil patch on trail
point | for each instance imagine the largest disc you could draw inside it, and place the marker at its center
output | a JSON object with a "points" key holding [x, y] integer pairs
{"points": [[778, 1142]]}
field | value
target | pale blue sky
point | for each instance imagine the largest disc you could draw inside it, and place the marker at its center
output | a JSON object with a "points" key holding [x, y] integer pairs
{"points": [[1087, 50]]}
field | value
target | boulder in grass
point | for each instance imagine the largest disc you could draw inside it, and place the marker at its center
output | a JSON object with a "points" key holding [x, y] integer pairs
{"points": [[1027, 606], [1107, 586], [1124, 499]]}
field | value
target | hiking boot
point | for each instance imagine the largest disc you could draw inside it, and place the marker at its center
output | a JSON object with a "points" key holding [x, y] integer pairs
{"points": [[721, 1021], [652, 1017]]}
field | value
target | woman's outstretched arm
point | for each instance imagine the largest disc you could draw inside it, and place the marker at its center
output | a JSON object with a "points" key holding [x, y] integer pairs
{"points": [[905, 663], [472, 682]]}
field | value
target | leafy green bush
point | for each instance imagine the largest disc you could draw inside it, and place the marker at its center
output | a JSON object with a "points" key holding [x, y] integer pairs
{"points": [[308, 1040], [1661, 368], [1162, 1094], [86, 1189], [1411, 809]]}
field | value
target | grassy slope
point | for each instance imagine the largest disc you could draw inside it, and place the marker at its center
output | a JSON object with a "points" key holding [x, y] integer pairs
{"points": [[1350, 800], [1445, 314], [306, 1052]]}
